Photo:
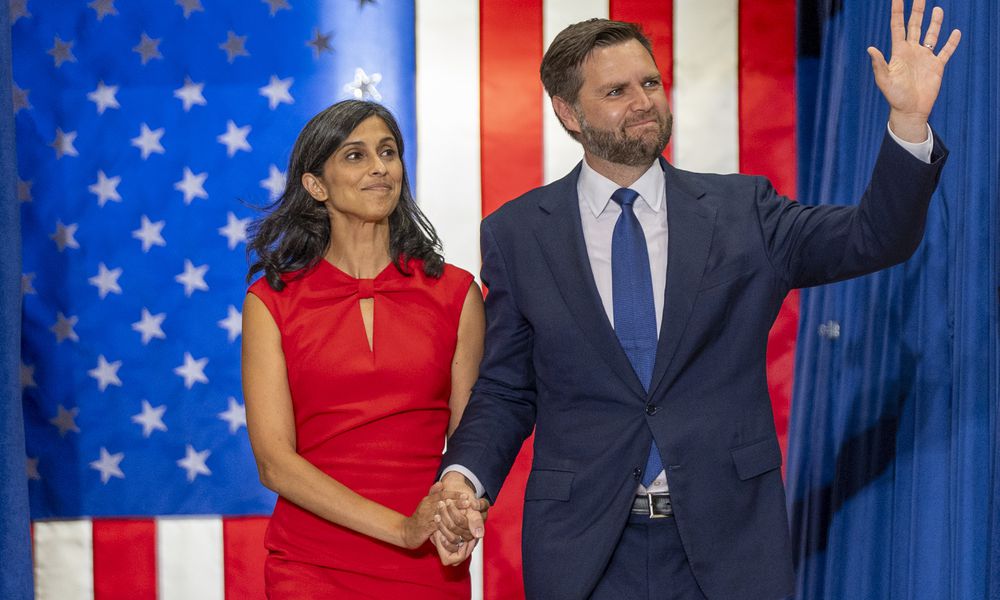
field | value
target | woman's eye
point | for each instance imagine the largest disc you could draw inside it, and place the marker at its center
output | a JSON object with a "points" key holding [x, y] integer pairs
{"points": [[352, 155], [388, 152]]}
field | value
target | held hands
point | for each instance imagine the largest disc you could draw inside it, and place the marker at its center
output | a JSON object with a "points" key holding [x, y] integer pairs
{"points": [[911, 80], [418, 527], [460, 522]]}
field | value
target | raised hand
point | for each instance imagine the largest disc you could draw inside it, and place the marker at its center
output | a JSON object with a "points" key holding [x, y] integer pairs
{"points": [[911, 80]]}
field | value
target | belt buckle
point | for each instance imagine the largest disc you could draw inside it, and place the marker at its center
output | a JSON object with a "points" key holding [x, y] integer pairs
{"points": [[652, 515]]}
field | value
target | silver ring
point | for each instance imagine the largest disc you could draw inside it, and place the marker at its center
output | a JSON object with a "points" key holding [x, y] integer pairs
{"points": [[929, 46]]}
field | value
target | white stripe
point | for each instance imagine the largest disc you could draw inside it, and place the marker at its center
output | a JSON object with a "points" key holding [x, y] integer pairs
{"points": [[189, 559], [64, 560], [449, 182], [561, 152], [706, 85], [476, 572], [448, 171]]}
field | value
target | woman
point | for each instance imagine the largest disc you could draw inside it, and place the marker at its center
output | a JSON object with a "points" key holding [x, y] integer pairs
{"points": [[360, 348]]}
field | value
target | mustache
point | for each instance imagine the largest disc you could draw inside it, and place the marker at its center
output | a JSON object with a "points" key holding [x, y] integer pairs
{"points": [[642, 118]]}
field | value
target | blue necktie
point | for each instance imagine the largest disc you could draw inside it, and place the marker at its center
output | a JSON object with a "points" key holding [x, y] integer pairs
{"points": [[632, 296]]}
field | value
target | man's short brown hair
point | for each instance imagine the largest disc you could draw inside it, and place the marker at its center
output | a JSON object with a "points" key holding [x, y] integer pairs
{"points": [[561, 65]]}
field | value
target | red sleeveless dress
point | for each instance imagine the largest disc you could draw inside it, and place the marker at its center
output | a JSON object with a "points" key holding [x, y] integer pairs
{"points": [[375, 420]]}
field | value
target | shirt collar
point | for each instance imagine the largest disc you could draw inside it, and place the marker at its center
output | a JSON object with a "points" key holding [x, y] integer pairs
{"points": [[595, 189]]}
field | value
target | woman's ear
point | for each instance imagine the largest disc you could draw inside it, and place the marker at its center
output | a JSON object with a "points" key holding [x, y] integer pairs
{"points": [[315, 187]]}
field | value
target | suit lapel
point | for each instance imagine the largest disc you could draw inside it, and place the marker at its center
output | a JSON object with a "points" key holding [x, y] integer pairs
{"points": [[689, 225], [560, 236]]}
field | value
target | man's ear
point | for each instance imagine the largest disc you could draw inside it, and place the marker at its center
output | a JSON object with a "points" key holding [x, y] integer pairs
{"points": [[315, 187], [566, 113]]}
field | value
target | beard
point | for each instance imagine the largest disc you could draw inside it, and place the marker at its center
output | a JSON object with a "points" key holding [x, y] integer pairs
{"points": [[617, 146]]}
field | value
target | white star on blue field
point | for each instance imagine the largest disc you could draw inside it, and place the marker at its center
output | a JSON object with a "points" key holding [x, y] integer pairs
{"points": [[150, 133]]}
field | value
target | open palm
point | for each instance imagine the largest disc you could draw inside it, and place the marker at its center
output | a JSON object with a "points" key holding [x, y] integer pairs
{"points": [[911, 80]]}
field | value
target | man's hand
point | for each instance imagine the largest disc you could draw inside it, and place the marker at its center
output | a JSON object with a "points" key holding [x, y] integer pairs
{"points": [[460, 522], [911, 80]]}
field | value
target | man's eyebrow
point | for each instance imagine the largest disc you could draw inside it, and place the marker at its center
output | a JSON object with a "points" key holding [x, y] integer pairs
{"points": [[612, 85], [621, 84]]}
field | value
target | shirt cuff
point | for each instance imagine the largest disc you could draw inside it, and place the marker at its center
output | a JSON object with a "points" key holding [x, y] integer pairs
{"points": [[480, 490], [921, 151]]}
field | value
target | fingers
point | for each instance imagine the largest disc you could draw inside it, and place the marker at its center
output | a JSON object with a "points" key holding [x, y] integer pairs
{"points": [[916, 21], [448, 556], [950, 46], [484, 509], [446, 525], [458, 517], [450, 536], [934, 29], [458, 497], [879, 66], [451, 544], [454, 518], [466, 551], [475, 523], [896, 27]]}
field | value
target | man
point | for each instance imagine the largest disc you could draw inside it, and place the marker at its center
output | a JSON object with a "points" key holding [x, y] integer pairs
{"points": [[627, 317]]}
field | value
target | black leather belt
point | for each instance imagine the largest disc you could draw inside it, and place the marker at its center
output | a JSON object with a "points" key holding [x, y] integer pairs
{"points": [[654, 506]]}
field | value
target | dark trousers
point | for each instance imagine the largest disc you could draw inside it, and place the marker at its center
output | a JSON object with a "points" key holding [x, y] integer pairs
{"points": [[648, 564]]}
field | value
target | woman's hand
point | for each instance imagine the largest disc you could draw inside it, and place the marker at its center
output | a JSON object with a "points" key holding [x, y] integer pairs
{"points": [[448, 557], [422, 523]]}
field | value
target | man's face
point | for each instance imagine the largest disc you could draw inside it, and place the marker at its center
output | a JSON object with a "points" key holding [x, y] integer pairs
{"points": [[622, 113]]}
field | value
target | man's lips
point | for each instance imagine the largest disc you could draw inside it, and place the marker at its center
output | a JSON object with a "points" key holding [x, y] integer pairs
{"points": [[640, 123]]}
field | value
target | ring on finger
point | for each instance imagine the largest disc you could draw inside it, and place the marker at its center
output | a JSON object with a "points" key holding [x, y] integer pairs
{"points": [[929, 45]]}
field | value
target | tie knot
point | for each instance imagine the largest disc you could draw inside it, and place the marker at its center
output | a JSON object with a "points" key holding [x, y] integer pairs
{"points": [[625, 196]]}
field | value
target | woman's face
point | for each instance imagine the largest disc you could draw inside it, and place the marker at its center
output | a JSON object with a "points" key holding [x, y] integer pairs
{"points": [[362, 179]]}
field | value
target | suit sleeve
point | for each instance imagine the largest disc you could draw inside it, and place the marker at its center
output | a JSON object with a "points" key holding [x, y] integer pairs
{"points": [[501, 411], [813, 245]]}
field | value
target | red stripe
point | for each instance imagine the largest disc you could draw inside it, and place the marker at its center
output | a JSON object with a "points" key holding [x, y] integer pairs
{"points": [[124, 559], [511, 107], [657, 21], [767, 147], [244, 554]]}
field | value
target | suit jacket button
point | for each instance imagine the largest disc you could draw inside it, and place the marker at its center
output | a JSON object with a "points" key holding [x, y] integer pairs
{"points": [[651, 409], [637, 473]]}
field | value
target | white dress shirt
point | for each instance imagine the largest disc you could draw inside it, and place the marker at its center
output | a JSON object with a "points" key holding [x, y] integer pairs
{"points": [[598, 215]]}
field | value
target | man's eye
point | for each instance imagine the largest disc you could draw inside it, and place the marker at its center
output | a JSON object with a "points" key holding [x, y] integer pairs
{"points": [[615, 92], [652, 83]]}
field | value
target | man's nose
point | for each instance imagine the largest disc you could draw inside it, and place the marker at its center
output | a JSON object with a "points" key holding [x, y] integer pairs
{"points": [[641, 101]]}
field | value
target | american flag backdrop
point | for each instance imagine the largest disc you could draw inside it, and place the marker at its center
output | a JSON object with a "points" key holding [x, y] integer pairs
{"points": [[146, 133]]}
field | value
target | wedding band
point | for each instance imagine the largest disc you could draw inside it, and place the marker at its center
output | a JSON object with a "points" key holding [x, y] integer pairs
{"points": [[929, 46]]}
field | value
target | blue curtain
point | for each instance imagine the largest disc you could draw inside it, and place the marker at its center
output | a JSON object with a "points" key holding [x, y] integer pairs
{"points": [[15, 543], [893, 474]]}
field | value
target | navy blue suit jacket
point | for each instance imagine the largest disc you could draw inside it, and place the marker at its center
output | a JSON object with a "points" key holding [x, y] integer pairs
{"points": [[553, 362]]}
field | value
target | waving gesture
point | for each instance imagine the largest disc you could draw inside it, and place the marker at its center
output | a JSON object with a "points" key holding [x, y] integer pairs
{"points": [[911, 80]]}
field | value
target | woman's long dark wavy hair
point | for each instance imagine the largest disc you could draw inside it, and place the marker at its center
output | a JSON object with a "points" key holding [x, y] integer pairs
{"points": [[295, 232]]}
